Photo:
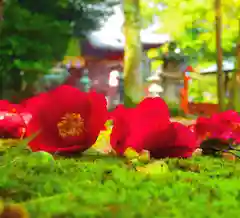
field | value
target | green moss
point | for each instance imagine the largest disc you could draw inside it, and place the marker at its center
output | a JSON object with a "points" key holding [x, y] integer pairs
{"points": [[100, 186], [174, 109]]}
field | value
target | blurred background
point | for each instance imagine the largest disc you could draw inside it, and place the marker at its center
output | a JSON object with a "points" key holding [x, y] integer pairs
{"points": [[81, 43]]}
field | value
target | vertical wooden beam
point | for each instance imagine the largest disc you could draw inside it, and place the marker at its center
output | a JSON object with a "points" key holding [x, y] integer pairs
{"points": [[234, 99], [1, 10], [220, 75], [237, 74]]}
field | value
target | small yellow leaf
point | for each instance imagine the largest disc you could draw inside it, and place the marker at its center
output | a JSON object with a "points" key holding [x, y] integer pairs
{"points": [[130, 153], [154, 168], [102, 143], [144, 156], [108, 124]]}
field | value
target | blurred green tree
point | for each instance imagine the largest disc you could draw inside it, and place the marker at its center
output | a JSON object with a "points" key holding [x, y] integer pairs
{"points": [[192, 25], [35, 35]]}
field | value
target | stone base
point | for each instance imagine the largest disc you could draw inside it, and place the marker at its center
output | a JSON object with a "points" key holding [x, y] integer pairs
{"points": [[172, 91]]}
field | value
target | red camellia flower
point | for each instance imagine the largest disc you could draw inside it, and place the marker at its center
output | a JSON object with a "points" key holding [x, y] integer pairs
{"points": [[203, 128], [67, 119], [13, 120], [11, 108], [224, 126], [148, 127], [184, 142]]}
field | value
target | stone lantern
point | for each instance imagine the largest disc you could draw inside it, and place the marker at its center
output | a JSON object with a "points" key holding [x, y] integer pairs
{"points": [[155, 90], [172, 75], [154, 87]]}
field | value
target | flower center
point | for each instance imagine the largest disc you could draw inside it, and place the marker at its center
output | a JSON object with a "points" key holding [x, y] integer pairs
{"points": [[71, 124]]}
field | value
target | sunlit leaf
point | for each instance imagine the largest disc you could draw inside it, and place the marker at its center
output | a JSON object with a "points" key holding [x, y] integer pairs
{"points": [[42, 158], [144, 156], [130, 153], [102, 143], [8, 143], [154, 168]]}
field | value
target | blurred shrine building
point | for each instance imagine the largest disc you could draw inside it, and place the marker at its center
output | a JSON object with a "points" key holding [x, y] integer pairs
{"points": [[96, 63], [101, 54]]}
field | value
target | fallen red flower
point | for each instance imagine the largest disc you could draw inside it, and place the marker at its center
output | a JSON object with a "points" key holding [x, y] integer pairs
{"points": [[148, 127], [67, 119], [223, 126], [183, 143], [13, 120]]}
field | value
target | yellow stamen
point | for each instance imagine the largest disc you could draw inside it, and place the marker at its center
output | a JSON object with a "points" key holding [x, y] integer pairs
{"points": [[71, 124]]}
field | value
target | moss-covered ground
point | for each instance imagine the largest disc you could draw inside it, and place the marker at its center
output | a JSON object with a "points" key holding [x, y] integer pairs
{"points": [[107, 187]]}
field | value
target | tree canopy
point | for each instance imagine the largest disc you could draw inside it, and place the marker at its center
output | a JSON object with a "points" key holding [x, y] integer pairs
{"points": [[35, 34], [192, 25]]}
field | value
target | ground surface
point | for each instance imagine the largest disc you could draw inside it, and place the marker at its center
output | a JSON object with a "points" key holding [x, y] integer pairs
{"points": [[106, 187], [183, 120]]}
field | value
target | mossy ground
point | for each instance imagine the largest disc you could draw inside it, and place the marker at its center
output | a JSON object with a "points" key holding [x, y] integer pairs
{"points": [[107, 187]]}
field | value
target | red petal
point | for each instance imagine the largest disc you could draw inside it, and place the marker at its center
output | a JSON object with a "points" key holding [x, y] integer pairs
{"points": [[49, 108]]}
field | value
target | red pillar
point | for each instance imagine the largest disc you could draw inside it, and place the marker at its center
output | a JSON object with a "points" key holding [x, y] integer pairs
{"points": [[184, 91]]}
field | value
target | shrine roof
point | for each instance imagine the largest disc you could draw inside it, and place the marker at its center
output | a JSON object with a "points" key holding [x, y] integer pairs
{"points": [[228, 66], [110, 37]]}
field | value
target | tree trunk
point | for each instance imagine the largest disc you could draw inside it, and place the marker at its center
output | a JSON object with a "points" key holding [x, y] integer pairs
{"points": [[236, 77], [233, 102], [1, 10], [133, 84], [220, 75]]}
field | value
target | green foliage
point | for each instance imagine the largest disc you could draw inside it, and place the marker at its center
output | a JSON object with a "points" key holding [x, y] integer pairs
{"points": [[203, 89], [73, 48], [84, 15], [30, 42], [35, 35], [192, 24], [29, 38], [95, 186], [174, 109]]}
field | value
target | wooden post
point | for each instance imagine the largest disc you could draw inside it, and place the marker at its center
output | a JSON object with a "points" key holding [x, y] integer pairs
{"points": [[1, 10], [220, 76], [237, 74], [184, 95], [233, 102]]}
